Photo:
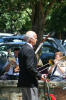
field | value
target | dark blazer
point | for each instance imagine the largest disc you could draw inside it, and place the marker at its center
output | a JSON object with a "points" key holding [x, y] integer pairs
{"points": [[28, 72]]}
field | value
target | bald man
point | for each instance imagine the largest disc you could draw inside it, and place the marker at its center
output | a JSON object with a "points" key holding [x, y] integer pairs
{"points": [[28, 75]]}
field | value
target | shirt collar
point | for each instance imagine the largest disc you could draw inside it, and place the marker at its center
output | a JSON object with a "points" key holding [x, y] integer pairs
{"points": [[30, 45]]}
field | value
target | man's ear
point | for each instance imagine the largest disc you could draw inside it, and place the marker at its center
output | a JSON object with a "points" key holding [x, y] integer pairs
{"points": [[30, 40]]}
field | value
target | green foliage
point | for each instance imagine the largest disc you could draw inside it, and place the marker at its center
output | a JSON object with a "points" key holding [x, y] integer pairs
{"points": [[13, 18], [57, 20], [17, 15]]}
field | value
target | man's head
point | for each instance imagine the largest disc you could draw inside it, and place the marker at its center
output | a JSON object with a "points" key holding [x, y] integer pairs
{"points": [[58, 55], [31, 37], [16, 51]]}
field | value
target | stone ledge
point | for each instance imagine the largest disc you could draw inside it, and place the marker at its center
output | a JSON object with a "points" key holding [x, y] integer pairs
{"points": [[8, 83], [13, 83], [9, 90]]}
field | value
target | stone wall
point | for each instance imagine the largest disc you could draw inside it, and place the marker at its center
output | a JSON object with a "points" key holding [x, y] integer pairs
{"points": [[59, 89], [9, 90]]}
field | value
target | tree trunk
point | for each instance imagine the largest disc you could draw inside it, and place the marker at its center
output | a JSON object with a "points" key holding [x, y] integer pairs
{"points": [[38, 20], [39, 17]]}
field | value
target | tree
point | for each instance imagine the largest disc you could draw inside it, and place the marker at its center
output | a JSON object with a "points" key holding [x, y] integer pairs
{"points": [[23, 15], [14, 16], [42, 12], [57, 22]]}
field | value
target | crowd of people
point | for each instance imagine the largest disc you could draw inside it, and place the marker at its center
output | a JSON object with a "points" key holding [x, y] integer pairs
{"points": [[23, 66]]}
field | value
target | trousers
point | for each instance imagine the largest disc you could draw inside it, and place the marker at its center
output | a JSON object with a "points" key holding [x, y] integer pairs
{"points": [[30, 93]]}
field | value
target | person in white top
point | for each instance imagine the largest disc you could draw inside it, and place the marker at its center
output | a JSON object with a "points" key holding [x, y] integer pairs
{"points": [[59, 67], [13, 71]]}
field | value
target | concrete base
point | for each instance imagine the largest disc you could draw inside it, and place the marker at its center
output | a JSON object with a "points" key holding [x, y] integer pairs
{"points": [[10, 91]]}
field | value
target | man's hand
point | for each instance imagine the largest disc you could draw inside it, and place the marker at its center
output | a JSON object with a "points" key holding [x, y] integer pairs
{"points": [[16, 69], [43, 77]]}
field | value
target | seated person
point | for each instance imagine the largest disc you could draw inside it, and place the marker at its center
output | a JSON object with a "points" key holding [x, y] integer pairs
{"points": [[13, 70], [58, 69], [16, 51]]}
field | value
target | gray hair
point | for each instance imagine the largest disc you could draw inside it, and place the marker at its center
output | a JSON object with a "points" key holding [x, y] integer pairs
{"points": [[29, 35]]}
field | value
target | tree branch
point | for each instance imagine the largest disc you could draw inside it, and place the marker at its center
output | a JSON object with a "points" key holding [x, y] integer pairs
{"points": [[49, 6]]}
